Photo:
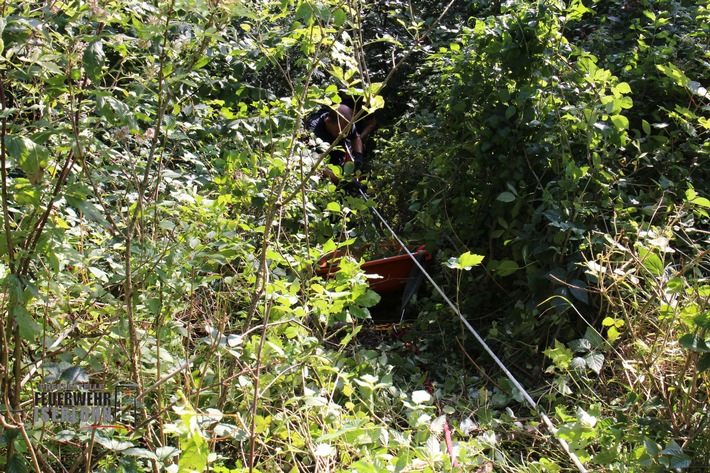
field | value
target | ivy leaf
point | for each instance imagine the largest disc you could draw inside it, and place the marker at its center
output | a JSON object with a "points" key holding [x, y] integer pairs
{"points": [[595, 361], [94, 58]]}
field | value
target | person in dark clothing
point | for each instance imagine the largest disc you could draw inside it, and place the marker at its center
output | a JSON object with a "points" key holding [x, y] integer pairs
{"points": [[327, 125]]}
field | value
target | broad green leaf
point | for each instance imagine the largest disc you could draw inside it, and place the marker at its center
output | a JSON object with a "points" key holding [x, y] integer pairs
{"points": [[506, 268], [595, 361], [30, 156], [333, 207], [623, 87], [680, 461], [29, 329], [693, 198], [468, 260], [578, 289], [141, 453], [651, 261], [115, 445], [506, 197], [694, 343], [704, 362], [163, 453], [561, 356], [674, 73], [702, 320], [194, 456], [74, 375], [17, 464], [620, 122], [613, 333], [94, 58], [368, 299]]}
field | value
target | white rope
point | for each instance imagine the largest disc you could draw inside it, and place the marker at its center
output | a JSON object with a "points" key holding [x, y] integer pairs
{"points": [[485, 346]]}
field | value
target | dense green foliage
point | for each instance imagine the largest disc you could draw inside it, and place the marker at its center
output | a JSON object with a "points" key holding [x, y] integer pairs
{"points": [[163, 214]]}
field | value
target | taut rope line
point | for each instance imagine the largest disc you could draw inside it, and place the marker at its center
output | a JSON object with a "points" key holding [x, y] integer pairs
{"points": [[485, 346]]}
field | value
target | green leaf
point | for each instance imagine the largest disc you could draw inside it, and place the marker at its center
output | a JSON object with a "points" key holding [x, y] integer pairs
{"points": [[578, 288], [333, 207], [29, 329], [506, 197], [17, 464], [561, 356], [506, 268], [623, 88], [368, 299], [702, 320], [163, 453], [595, 361], [141, 453], [620, 122], [469, 260], [74, 375], [194, 456], [651, 261], [30, 156], [112, 444], [694, 343], [674, 73], [94, 59], [693, 198], [704, 363]]}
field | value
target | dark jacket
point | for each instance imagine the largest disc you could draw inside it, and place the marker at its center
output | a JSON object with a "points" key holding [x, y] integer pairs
{"points": [[316, 124]]}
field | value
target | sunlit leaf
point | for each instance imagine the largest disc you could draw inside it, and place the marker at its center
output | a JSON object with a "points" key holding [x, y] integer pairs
{"points": [[421, 397], [620, 122]]}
